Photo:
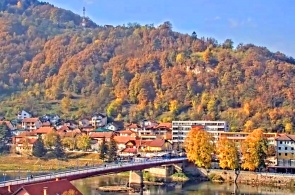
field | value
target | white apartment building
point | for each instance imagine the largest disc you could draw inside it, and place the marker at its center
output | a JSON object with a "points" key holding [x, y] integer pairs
{"points": [[180, 129]]}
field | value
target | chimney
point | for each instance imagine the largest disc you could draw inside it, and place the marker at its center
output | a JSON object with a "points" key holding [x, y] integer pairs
{"points": [[9, 188]]}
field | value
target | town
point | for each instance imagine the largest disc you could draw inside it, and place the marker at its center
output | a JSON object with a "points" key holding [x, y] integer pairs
{"points": [[147, 138]]}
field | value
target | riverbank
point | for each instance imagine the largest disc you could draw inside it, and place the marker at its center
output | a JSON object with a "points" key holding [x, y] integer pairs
{"points": [[250, 178], [12, 163]]}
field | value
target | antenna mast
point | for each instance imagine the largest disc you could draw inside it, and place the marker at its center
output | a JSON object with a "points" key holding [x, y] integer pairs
{"points": [[84, 18]]}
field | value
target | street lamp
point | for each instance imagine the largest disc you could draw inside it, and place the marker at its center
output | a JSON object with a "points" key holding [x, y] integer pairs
{"points": [[4, 176]]}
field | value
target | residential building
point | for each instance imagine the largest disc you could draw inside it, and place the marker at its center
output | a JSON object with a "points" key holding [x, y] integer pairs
{"points": [[239, 137], [99, 120], [134, 127], [112, 126], [159, 145], [285, 147], [180, 129], [48, 188], [84, 122], [31, 123], [23, 114]]}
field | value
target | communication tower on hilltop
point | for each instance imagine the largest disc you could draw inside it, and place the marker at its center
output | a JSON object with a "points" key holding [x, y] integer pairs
{"points": [[84, 18]]}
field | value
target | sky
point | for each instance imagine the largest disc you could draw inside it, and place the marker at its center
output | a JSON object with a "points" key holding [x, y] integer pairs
{"points": [[267, 23]]}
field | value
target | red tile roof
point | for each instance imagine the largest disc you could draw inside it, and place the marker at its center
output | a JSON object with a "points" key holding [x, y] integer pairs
{"points": [[168, 125], [157, 143], [8, 124], [285, 137], [123, 139], [63, 128], [53, 188], [100, 134], [128, 131], [30, 120], [133, 126], [130, 150], [28, 140], [26, 133], [44, 130]]}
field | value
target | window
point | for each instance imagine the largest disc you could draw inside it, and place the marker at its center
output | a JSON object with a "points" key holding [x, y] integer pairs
{"points": [[281, 142], [286, 154], [279, 154], [286, 148], [279, 148], [292, 148]]}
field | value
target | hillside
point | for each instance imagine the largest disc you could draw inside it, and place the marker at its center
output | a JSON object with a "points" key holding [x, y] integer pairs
{"points": [[49, 63]]}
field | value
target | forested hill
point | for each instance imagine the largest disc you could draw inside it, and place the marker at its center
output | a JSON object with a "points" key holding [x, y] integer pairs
{"points": [[49, 63]]}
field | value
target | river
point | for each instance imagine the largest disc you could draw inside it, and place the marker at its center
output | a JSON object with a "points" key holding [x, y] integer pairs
{"points": [[88, 187]]}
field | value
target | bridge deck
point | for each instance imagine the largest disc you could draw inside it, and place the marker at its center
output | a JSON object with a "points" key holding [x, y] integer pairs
{"points": [[93, 171]]}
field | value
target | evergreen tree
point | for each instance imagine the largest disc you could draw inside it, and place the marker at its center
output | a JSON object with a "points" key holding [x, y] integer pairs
{"points": [[103, 149], [58, 149], [112, 150], [39, 148]]}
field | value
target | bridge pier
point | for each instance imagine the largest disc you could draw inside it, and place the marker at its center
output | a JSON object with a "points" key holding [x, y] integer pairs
{"points": [[136, 178]]}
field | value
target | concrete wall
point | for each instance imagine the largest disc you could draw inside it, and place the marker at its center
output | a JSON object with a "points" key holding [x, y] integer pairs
{"points": [[248, 177], [162, 171]]}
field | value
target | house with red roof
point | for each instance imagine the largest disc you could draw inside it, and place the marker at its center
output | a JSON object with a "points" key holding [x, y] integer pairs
{"points": [[159, 145], [48, 188], [31, 123]]}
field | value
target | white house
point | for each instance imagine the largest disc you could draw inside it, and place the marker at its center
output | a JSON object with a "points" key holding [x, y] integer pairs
{"points": [[99, 120], [31, 123], [23, 114]]}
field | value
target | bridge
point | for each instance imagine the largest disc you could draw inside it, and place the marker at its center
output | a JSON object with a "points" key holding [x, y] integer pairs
{"points": [[85, 172]]}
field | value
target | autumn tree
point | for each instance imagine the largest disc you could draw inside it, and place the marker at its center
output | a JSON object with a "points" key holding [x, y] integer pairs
{"points": [[227, 154], [254, 150], [66, 104], [70, 192], [69, 142], [199, 147], [50, 139], [83, 142]]}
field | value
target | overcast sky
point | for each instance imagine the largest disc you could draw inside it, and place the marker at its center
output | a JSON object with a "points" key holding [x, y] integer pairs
{"points": [[268, 23]]}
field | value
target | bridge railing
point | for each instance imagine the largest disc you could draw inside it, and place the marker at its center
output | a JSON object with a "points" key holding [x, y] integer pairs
{"points": [[87, 169]]}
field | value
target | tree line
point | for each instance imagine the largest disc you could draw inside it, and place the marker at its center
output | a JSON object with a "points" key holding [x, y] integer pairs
{"points": [[250, 155]]}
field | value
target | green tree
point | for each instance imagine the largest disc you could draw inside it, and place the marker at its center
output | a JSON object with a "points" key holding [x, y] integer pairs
{"points": [[228, 44], [39, 148], [112, 150], [4, 131], [103, 149], [83, 142], [58, 149], [199, 147], [254, 150], [227, 154]]}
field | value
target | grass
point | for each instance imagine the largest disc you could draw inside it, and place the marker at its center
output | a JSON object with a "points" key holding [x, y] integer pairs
{"points": [[24, 163]]}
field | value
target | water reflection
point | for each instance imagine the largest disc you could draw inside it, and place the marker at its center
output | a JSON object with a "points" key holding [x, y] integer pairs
{"points": [[88, 187]]}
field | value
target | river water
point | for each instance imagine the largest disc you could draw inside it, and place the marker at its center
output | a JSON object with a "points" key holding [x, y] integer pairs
{"points": [[89, 186]]}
